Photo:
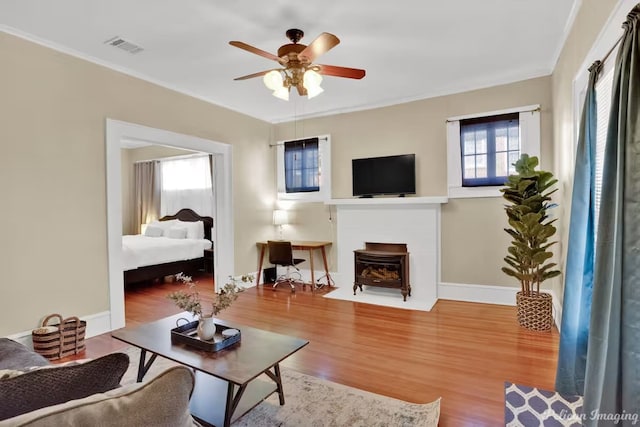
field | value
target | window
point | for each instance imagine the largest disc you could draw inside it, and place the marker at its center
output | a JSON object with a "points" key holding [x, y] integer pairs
{"points": [[604, 87], [482, 148], [187, 183], [301, 166], [304, 169], [489, 146]]}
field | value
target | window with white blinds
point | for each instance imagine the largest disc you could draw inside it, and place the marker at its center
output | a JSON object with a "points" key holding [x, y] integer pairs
{"points": [[603, 102]]}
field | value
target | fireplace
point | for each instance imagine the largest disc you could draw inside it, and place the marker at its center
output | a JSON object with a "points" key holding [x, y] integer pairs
{"points": [[383, 265]]}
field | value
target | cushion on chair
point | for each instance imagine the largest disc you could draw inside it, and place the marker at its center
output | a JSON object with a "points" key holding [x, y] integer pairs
{"points": [[52, 385], [163, 401]]}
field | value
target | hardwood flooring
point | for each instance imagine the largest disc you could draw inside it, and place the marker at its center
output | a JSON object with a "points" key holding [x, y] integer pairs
{"points": [[462, 352]]}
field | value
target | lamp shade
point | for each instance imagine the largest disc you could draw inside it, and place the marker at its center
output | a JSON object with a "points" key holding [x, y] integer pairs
{"points": [[311, 82], [280, 217], [282, 93], [273, 80]]}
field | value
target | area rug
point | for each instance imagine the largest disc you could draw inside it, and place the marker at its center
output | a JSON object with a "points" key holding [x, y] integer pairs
{"points": [[532, 407], [315, 402]]}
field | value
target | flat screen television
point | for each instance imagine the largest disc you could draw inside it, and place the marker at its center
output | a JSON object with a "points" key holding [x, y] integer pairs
{"points": [[390, 175]]}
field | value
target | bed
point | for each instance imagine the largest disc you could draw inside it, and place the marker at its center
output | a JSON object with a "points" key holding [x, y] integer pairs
{"points": [[167, 247]]}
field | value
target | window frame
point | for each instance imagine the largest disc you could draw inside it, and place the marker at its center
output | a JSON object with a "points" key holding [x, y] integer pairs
{"points": [[529, 124], [324, 166]]}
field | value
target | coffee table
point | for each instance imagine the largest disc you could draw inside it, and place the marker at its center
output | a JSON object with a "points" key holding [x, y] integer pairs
{"points": [[227, 384]]}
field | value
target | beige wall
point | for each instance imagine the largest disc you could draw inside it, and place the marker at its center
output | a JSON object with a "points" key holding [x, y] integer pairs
{"points": [[129, 156], [52, 173], [588, 23], [473, 240]]}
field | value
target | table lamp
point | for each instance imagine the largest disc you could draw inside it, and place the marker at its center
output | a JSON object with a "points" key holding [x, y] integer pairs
{"points": [[280, 218]]}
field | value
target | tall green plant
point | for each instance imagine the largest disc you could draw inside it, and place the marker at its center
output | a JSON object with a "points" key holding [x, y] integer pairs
{"points": [[529, 194]]}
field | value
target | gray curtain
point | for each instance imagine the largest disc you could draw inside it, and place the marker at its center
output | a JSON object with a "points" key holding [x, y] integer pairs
{"points": [[147, 193], [612, 381]]}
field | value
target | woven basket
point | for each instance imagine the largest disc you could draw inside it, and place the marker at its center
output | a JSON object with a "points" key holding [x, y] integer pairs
{"points": [[535, 311], [61, 339]]}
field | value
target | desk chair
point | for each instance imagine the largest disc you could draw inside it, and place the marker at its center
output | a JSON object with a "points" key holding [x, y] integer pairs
{"points": [[280, 253]]}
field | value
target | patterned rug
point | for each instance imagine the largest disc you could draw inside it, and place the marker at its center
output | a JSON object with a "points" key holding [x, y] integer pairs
{"points": [[533, 407], [314, 402]]}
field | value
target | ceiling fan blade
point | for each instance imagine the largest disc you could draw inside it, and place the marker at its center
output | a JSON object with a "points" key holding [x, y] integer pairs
{"points": [[255, 50], [250, 76], [350, 73], [321, 44]]}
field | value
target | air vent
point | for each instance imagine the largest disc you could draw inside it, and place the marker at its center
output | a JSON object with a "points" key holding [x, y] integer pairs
{"points": [[123, 44]]}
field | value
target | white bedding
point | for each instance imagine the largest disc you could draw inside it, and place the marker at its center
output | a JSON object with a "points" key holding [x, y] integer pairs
{"points": [[139, 250]]}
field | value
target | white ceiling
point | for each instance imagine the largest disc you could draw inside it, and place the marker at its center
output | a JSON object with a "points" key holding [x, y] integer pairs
{"points": [[411, 49]]}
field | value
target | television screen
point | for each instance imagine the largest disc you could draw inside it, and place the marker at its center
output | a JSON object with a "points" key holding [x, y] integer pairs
{"points": [[384, 175]]}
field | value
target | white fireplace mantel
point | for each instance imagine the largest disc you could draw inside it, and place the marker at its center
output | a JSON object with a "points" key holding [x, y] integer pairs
{"points": [[388, 201], [411, 220]]}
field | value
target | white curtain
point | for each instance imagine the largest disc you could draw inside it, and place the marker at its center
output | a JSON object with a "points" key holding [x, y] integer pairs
{"points": [[187, 183]]}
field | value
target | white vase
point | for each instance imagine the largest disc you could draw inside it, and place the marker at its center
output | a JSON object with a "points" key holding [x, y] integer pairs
{"points": [[206, 328]]}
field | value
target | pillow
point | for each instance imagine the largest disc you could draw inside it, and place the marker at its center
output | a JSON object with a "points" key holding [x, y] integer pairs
{"points": [[153, 231], [46, 387], [195, 230], [176, 233], [15, 356], [164, 225], [161, 401]]}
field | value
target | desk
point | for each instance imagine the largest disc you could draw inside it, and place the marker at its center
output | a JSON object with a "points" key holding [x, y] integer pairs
{"points": [[300, 246]]}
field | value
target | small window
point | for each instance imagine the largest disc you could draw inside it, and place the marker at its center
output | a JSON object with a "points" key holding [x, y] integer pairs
{"points": [[301, 166], [482, 148], [303, 169], [489, 147]]}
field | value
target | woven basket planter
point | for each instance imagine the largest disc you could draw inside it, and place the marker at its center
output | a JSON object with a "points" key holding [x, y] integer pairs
{"points": [[61, 339], [535, 311]]}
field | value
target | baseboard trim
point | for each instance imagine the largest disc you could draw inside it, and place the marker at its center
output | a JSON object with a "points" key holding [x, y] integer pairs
{"points": [[97, 324], [488, 294]]}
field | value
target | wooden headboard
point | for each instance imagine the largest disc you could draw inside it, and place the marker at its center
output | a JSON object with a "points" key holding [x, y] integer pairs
{"points": [[188, 215]]}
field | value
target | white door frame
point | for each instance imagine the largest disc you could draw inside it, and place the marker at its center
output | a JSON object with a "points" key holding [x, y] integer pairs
{"points": [[222, 235]]}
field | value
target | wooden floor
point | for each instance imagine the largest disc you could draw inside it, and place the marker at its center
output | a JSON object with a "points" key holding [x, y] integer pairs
{"points": [[461, 352]]}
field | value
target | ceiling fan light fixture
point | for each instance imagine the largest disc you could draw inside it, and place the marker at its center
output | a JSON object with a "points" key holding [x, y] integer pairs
{"points": [[311, 82], [282, 93], [273, 80], [298, 68], [312, 92]]}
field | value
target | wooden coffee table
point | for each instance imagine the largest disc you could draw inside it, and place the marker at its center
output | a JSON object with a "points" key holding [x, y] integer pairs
{"points": [[227, 384]]}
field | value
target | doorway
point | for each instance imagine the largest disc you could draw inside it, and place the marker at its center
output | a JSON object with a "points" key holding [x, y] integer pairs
{"points": [[116, 132]]}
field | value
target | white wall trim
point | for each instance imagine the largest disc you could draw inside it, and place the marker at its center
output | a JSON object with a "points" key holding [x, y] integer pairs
{"points": [[223, 239], [324, 165], [97, 324], [490, 294], [486, 294], [529, 124], [522, 109], [573, 13]]}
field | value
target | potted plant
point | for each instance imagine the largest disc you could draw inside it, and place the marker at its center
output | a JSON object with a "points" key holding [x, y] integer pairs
{"points": [[529, 195], [189, 300]]}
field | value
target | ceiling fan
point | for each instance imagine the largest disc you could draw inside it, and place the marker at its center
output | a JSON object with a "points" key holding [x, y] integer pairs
{"points": [[297, 67]]}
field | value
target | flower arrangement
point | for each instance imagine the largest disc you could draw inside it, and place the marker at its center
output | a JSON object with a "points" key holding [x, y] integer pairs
{"points": [[189, 300]]}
